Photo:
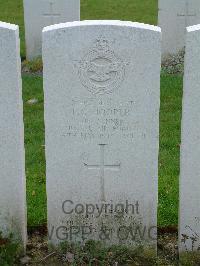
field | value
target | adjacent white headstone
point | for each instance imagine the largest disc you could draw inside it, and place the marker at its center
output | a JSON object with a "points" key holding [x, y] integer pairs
{"points": [[173, 18], [101, 83], [12, 166], [41, 13], [189, 224]]}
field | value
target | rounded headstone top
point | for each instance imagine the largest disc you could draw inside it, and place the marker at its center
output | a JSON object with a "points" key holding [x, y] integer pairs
{"points": [[102, 22], [193, 28], [8, 26]]}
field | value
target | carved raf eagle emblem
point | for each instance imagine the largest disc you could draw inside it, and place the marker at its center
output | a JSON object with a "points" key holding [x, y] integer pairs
{"points": [[101, 71]]}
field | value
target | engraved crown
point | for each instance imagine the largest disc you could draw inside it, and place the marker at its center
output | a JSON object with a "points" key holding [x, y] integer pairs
{"points": [[102, 44]]}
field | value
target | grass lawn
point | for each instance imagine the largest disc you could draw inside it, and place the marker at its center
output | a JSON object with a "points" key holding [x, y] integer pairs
{"points": [[34, 145], [171, 96], [134, 10], [170, 125]]}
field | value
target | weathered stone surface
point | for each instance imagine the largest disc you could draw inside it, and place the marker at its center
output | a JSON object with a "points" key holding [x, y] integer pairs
{"points": [[101, 83], [189, 224], [12, 166], [41, 13], [173, 18]]}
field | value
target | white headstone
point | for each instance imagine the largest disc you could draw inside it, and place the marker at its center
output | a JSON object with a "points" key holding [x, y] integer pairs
{"points": [[189, 224], [173, 18], [101, 83], [41, 13], [12, 165]]}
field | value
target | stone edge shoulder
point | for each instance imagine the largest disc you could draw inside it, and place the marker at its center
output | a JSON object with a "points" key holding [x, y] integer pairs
{"points": [[8, 26], [102, 22]]}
